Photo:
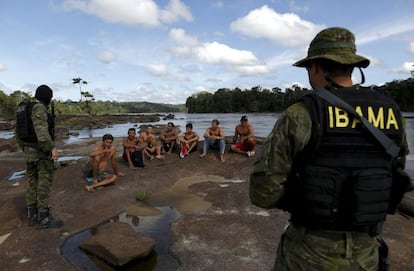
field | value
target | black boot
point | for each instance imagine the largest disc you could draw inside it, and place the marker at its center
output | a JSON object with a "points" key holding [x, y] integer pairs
{"points": [[31, 215], [45, 220]]}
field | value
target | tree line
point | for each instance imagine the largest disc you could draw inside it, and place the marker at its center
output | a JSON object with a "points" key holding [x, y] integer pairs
{"points": [[256, 99], [224, 100]]}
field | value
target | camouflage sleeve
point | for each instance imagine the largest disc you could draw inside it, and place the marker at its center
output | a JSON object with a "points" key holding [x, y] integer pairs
{"points": [[41, 127], [289, 136]]}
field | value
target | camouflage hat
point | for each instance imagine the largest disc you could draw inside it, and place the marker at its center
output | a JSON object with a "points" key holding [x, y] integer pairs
{"points": [[336, 44]]}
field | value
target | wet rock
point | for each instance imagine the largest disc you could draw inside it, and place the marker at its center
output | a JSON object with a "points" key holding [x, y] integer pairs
{"points": [[117, 243], [407, 204], [169, 117], [6, 125]]}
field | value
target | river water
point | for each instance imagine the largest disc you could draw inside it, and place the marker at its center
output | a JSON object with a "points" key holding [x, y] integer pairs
{"points": [[262, 124]]}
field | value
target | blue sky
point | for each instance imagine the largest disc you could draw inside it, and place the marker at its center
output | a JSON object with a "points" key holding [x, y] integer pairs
{"points": [[165, 51]]}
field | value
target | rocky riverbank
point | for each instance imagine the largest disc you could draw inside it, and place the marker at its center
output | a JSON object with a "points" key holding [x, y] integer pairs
{"points": [[217, 229]]}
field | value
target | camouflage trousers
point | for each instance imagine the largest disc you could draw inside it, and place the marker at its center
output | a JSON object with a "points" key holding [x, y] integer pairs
{"points": [[40, 176], [301, 249]]}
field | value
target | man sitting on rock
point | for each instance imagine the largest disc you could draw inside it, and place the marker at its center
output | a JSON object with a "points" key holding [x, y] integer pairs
{"points": [[243, 139], [131, 143], [150, 140], [169, 138], [99, 158]]}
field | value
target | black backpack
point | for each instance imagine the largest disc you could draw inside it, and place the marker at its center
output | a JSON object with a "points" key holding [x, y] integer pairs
{"points": [[24, 124], [136, 158]]}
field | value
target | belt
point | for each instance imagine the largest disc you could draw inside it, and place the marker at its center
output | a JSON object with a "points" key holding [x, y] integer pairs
{"points": [[331, 235]]}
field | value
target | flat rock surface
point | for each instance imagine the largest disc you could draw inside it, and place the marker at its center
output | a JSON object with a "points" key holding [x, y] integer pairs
{"points": [[218, 228]]}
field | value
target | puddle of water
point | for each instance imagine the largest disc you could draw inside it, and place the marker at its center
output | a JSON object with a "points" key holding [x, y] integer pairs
{"points": [[17, 175], [156, 227]]}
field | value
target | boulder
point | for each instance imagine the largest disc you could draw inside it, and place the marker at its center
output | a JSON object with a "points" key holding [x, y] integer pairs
{"points": [[118, 244]]}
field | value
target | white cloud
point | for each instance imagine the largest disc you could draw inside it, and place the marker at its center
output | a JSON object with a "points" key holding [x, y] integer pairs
{"points": [[286, 29], [2, 67], [174, 11], [179, 36], [406, 67], [106, 57], [216, 53], [411, 48], [132, 12], [157, 69]]}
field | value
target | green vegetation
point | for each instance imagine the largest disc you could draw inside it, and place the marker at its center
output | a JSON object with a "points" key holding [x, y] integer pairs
{"points": [[141, 195], [223, 100], [263, 100]]}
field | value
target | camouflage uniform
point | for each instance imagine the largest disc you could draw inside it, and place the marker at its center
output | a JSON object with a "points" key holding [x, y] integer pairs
{"points": [[39, 154], [301, 248], [40, 167]]}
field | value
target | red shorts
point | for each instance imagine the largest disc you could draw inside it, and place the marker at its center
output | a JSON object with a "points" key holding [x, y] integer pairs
{"points": [[245, 146]]}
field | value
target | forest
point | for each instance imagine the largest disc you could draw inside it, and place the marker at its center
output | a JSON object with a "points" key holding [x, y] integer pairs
{"points": [[223, 100]]}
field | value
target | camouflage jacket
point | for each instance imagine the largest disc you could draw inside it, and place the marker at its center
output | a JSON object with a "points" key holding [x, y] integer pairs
{"points": [[289, 136], [42, 148]]}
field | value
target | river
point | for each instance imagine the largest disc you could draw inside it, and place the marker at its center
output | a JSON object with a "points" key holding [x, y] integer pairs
{"points": [[262, 123]]}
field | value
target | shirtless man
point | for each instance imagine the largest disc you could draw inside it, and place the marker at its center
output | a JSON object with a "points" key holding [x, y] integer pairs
{"points": [[189, 139], [214, 137], [100, 156], [150, 142], [243, 139], [168, 138], [131, 143]]}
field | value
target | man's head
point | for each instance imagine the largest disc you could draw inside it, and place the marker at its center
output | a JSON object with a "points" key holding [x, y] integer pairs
{"points": [[44, 94], [189, 127], [170, 126], [132, 132], [336, 44], [149, 129], [244, 120], [107, 140]]}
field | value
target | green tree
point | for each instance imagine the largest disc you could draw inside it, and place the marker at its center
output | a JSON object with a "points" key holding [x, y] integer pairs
{"points": [[79, 81]]}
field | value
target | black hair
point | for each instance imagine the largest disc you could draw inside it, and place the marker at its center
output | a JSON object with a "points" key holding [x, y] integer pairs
{"points": [[131, 129], [216, 121], [107, 136], [171, 123], [189, 125]]}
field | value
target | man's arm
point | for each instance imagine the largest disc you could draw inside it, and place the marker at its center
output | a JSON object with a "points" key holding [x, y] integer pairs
{"points": [[288, 137], [113, 161]]}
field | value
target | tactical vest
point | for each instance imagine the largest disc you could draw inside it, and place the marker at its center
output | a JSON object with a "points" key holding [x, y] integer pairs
{"points": [[24, 124], [343, 177]]}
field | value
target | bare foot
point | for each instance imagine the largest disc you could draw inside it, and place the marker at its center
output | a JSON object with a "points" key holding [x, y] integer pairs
{"points": [[121, 174], [88, 188], [203, 155], [221, 158], [132, 167], [160, 157]]}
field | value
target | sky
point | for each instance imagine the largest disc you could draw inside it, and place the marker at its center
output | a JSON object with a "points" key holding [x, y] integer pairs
{"points": [[164, 51]]}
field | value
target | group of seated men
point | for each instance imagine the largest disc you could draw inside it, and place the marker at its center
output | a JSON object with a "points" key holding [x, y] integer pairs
{"points": [[146, 143]]}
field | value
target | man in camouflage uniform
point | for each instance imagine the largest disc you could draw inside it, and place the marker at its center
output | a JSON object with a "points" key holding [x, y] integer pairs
{"points": [[40, 153], [323, 167]]}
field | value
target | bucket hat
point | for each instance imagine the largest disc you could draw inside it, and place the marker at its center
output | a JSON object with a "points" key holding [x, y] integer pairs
{"points": [[336, 44]]}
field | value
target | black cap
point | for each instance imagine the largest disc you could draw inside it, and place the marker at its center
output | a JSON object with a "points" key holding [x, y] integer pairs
{"points": [[44, 94]]}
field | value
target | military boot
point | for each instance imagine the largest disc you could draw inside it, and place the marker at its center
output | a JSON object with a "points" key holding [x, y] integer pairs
{"points": [[31, 215], [45, 220]]}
